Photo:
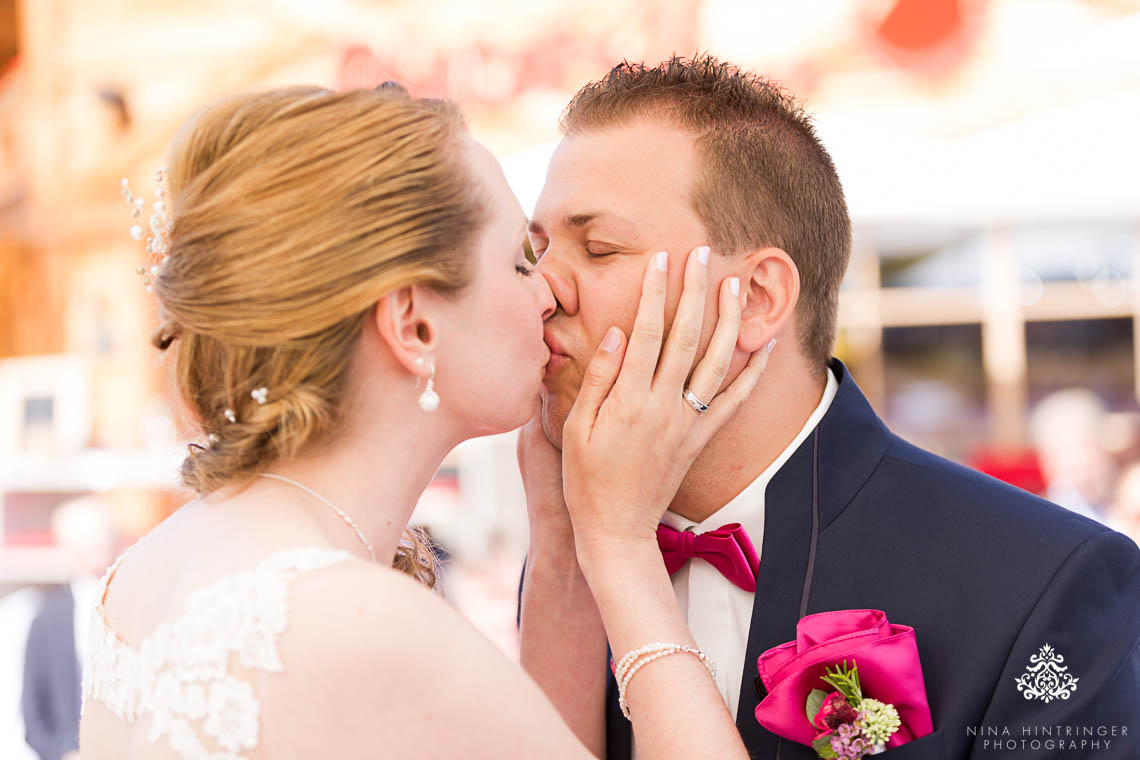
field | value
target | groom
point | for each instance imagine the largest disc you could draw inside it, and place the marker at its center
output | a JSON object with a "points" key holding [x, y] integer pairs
{"points": [[844, 514]]}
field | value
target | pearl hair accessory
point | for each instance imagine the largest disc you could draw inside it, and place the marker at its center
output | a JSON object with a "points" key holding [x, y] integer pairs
{"points": [[429, 399], [259, 395], [634, 661], [159, 223], [229, 415]]}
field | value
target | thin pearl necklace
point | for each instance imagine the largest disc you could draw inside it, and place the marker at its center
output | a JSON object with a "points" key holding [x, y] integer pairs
{"points": [[347, 520]]}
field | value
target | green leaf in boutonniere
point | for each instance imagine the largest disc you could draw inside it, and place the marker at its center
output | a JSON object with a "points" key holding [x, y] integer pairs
{"points": [[822, 747], [815, 701], [846, 681]]}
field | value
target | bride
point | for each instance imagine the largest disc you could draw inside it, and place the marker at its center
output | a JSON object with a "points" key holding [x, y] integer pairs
{"points": [[345, 287]]}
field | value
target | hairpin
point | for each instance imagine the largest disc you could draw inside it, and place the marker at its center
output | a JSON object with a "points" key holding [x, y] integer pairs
{"points": [[159, 223]]}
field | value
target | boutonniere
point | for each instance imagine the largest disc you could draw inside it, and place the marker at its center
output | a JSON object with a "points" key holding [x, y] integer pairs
{"points": [[845, 711], [850, 725]]}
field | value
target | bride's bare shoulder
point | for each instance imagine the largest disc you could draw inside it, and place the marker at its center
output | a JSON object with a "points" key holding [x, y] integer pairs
{"points": [[355, 603], [378, 659], [371, 589]]}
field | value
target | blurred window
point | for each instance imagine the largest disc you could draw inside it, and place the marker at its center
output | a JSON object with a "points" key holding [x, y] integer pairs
{"points": [[929, 256], [1099, 256], [1090, 353], [935, 386]]}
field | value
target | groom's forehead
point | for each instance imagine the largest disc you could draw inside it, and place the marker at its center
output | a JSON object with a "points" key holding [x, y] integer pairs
{"points": [[616, 177], [650, 149]]}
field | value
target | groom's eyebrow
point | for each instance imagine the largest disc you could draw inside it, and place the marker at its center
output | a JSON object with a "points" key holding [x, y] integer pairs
{"points": [[584, 219]]}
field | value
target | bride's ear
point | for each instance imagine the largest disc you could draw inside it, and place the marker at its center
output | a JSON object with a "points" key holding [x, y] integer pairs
{"points": [[770, 289], [404, 325]]}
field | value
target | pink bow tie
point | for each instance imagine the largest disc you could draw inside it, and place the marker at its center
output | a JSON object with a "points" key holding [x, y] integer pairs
{"points": [[727, 548]]}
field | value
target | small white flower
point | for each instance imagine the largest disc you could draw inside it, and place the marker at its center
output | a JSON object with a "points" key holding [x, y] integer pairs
{"points": [[233, 715], [195, 701]]}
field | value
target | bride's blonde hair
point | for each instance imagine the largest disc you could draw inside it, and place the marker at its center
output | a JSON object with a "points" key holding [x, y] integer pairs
{"points": [[294, 211]]}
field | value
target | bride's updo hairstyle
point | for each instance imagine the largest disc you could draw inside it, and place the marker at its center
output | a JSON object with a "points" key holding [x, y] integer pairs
{"points": [[294, 211]]}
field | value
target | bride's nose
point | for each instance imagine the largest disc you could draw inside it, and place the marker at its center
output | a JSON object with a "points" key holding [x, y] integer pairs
{"points": [[560, 285]]}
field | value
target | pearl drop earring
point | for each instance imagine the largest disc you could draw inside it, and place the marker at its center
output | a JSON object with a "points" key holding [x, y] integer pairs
{"points": [[429, 399]]}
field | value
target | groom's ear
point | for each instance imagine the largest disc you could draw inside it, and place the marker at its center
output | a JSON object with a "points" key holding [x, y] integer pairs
{"points": [[770, 290], [406, 328]]}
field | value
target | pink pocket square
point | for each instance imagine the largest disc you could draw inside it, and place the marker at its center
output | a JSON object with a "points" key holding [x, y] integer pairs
{"points": [[888, 669]]}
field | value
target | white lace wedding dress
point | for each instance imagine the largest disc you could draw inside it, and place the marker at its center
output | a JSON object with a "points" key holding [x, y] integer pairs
{"points": [[179, 678]]}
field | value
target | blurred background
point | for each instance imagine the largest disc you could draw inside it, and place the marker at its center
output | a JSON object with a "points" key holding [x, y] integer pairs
{"points": [[988, 149]]}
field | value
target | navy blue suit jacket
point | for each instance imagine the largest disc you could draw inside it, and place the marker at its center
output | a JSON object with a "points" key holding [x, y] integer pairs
{"points": [[985, 573], [52, 679]]}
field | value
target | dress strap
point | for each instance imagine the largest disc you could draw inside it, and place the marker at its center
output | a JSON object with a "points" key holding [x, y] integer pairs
{"points": [[101, 591]]}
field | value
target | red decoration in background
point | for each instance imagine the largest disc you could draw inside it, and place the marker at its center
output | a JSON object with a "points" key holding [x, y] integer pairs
{"points": [[481, 74], [930, 35], [1018, 468], [917, 24], [359, 69]]}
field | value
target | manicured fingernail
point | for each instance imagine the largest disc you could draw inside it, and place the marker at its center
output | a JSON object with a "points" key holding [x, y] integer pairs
{"points": [[703, 254], [734, 285], [612, 339], [767, 354], [662, 260]]}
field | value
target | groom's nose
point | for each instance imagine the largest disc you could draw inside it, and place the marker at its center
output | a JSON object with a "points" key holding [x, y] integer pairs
{"points": [[561, 282]]}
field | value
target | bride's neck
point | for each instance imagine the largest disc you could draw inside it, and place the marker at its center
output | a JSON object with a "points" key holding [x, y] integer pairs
{"points": [[375, 469]]}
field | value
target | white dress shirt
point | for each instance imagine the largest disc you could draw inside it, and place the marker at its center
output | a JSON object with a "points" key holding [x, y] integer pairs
{"points": [[719, 613]]}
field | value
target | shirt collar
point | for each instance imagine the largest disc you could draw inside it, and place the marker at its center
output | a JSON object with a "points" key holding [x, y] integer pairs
{"points": [[747, 506]]}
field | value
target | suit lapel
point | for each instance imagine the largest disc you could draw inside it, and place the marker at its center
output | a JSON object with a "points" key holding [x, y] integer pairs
{"points": [[852, 442], [783, 562]]}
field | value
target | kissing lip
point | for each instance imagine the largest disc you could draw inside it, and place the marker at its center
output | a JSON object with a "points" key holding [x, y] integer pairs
{"points": [[554, 344]]}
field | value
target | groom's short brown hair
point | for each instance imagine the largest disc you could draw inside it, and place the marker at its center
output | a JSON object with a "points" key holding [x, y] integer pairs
{"points": [[765, 178]]}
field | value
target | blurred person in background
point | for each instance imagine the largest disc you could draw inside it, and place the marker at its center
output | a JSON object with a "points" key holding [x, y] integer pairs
{"points": [[17, 610], [84, 533], [1068, 429], [1124, 514]]}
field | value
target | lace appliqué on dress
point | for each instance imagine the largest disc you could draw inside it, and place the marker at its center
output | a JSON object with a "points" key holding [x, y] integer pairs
{"points": [[179, 673]]}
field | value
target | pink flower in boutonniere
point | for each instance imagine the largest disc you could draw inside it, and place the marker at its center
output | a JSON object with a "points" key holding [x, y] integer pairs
{"points": [[834, 712], [851, 725]]}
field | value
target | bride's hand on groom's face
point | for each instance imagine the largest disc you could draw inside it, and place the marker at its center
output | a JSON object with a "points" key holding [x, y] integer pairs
{"points": [[631, 436]]}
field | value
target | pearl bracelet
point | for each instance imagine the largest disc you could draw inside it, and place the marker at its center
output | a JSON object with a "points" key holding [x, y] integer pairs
{"points": [[634, 661]]}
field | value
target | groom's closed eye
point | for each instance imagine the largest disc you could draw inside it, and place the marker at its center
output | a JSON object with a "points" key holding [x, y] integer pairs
{"points": [[599, 250]]}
